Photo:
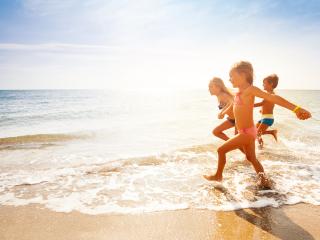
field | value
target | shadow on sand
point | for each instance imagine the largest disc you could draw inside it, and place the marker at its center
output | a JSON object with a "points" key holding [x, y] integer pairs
{"points": [[272, 220]]}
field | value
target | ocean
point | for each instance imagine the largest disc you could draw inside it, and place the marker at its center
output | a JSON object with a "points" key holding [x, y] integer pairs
{"points": [[133, 151]]}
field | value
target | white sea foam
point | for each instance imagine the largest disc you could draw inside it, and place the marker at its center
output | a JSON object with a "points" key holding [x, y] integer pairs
{"points": [[173, 182], [104, 172]]}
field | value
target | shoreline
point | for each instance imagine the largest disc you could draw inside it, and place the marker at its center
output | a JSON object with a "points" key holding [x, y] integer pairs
{"points": [[33, 221]]}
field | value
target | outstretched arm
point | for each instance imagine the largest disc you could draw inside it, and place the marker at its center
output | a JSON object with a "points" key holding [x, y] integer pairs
{"points": [[300, 112], [258, 104]]}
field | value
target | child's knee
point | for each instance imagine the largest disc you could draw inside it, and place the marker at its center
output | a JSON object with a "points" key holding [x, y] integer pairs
{"points": [[216, 132], [221, 150]]}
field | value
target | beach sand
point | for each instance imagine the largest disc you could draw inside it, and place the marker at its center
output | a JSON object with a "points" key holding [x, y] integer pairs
{"points": [[34, 222]]}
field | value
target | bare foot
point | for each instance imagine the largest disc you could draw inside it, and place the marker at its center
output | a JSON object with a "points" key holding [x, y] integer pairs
{"points": [[263, 181], [213, 178], [275, 134]]}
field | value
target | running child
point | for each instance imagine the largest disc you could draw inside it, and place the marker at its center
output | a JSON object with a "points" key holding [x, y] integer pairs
{"points": [[225, 99], [267, 119], [241, 77]]}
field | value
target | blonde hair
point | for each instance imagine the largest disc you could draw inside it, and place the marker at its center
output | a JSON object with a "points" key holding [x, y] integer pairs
{"points": [[273, 79], [218, 82], [245, 68]]}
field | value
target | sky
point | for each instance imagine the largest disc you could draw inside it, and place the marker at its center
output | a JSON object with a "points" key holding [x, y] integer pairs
{"points": [[176, 44]]}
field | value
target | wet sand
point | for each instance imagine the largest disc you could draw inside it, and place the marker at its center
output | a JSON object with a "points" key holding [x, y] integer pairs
{"points": [[34, 222]]}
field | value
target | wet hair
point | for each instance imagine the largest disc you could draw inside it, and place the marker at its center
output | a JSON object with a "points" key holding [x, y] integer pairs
{"points": [[272, 79], [244, 68], [218, 82]]}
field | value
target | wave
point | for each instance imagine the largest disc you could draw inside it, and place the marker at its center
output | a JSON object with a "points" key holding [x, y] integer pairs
{"points": [[40, 138], [166, 181]]}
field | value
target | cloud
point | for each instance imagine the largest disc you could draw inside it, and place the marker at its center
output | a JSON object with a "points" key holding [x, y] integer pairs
{"points": [[164, 22], [98, 50], [158, 42]]}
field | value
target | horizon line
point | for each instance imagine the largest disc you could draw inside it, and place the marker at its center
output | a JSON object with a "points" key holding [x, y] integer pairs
{"points": [[147, 88]]}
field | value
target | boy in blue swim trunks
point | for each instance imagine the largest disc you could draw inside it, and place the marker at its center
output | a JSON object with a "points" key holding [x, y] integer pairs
{"points": [[269, 84]]}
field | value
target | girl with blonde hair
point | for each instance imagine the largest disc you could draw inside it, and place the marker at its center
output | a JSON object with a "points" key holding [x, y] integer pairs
{"points": [[241, 77], [225, 99]]}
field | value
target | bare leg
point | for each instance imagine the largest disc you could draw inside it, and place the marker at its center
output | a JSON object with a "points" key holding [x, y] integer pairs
{"points": [[235, 133], [251, 156], [218, 131], [237, 141], [261, 129], [272, 132]]}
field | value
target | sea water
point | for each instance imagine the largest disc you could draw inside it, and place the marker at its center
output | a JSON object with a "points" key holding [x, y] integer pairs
{"points": [[132, 151]]}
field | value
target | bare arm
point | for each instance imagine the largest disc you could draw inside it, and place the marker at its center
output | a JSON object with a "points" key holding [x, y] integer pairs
{"points": [[301, 113], [258, 104], [229, 100], [225, 110]]}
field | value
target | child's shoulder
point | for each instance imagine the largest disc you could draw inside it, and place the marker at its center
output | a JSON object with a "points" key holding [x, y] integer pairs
{"points": [[226, 96], [250, 90], [253, 89]]}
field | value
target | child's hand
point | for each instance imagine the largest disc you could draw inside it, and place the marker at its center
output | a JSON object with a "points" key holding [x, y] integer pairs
{"points": [[220, 115], [303, 114]]}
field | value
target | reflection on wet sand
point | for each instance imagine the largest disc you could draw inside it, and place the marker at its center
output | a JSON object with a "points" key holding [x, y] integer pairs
{"points": [[269, 219], [288, 222]]}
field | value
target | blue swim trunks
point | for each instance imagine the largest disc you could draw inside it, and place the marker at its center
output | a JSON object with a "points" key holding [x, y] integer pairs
{"points": [[267, 121]]}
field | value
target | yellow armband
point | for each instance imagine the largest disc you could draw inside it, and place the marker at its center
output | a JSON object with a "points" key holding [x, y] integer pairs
{"points": [[295, 109]]}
